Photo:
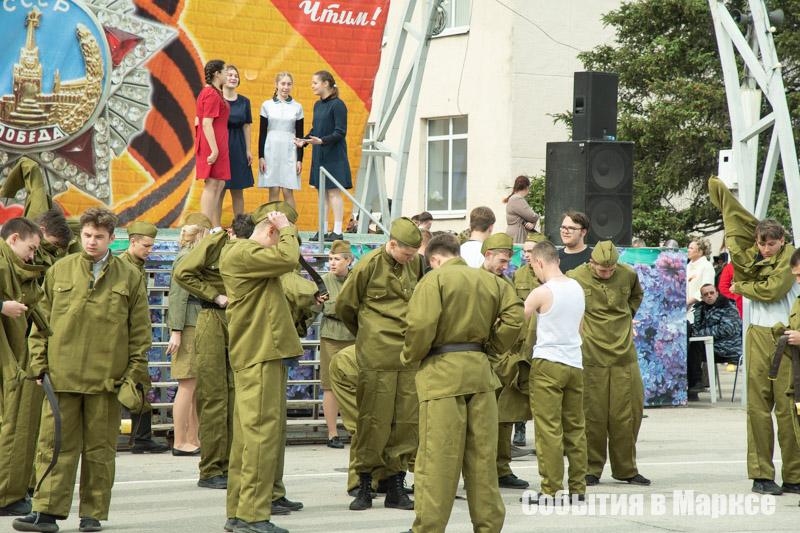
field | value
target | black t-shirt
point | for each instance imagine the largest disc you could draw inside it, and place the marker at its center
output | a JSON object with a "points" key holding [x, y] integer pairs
{"points": [[570, 261]]}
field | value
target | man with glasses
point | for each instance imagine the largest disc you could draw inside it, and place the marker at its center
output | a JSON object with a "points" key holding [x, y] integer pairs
{"points": [[573, 230]]}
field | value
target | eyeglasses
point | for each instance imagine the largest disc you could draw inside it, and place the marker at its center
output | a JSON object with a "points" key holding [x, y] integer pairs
{"points": [[570, 229]]}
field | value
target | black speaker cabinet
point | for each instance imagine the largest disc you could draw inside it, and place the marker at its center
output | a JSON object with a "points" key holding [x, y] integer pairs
{"points": [[594, 108], [594, 177]]}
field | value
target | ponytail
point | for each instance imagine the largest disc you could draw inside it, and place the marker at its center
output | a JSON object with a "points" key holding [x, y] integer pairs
{"points": [[326, 77], [520, 184]]}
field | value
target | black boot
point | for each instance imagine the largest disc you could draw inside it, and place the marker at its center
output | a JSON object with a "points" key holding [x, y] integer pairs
{"points": [[396, 497], [364, 497]]}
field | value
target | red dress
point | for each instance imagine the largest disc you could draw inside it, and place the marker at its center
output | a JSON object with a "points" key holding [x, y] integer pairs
{"points": [[210, 104]]}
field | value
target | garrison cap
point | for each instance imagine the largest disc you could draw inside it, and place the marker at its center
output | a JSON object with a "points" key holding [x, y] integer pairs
{"points": [[341, 247], [535, 236], [605, 254], [406, 232], [261, 213], [142, 228], [197, 219], [498, 241]]}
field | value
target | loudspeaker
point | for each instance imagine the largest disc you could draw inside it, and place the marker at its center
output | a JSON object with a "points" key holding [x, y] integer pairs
{"points": [[594, 108], [593, 177]]}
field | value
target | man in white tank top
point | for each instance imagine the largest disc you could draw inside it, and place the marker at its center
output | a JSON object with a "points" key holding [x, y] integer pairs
{"points": [[557, 374]]}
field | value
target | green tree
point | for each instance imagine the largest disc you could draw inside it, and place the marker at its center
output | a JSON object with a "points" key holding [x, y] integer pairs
{"points": [[672, 104]]}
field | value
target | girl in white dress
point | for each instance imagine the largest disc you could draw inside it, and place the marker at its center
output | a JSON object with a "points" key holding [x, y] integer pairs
{"points": [[279, 160]]}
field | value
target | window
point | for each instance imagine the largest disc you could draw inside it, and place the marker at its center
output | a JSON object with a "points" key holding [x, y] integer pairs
{"points": [[446, 178], [454, 18]]}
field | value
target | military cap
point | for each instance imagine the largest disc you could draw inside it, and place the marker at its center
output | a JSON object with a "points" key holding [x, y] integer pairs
{"points": [[282, 207], [535, 236], [197, 219], [605, 254], [142, 228], [406, 232], [498, 241], [341, 247]]}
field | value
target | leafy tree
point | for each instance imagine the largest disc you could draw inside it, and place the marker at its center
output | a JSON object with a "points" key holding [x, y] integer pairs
{"points": [[672, 104]]}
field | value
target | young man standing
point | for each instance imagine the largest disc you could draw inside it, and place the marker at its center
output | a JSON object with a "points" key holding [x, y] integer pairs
{"points": [[573, 230], [19, 292], [481, 224], [97, 309], [557, 375], [477, 313], [373, 305], [614, 393]]}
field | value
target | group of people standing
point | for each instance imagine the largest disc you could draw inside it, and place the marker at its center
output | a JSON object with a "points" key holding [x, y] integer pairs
{"points": [[223, 142]]}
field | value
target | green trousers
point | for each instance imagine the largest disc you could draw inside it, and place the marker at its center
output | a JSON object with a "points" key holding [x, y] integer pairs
{"points": [[22, 409], [504, 431], [259, 441], [456, 435], [764, 395], [90, 426], [388, 419], [613, 404], [214, 392], [557, 404]]}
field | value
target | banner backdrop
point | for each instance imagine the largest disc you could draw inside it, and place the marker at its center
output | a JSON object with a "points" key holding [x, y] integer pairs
{"points": [[102, 92]]}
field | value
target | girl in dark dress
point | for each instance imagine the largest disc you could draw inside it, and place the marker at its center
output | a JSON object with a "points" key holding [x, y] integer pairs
{"points": [[328, 138], [238, 142]]}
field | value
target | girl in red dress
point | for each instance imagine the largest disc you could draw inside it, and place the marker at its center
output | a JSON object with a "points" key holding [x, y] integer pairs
{"points": [[211, 149]]}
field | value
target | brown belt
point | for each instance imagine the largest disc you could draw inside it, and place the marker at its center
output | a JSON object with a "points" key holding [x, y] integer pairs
{"points": [[456, 347]]}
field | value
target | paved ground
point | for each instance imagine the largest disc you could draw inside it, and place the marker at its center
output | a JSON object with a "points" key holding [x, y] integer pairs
{"points": [[700, 448]]}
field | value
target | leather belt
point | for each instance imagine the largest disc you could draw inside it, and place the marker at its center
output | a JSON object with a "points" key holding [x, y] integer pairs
{"points": [[794, 353], [209, 305], [456, 347], [53, 400]]}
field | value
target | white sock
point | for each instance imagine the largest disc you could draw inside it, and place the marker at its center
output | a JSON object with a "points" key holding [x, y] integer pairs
{"points": [[337, 227]]}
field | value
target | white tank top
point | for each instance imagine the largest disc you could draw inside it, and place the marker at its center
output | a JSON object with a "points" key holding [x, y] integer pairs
{"points": [[558, 336]]}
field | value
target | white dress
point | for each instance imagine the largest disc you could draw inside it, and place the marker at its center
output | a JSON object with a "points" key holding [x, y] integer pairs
{"points": [[280, 152]]}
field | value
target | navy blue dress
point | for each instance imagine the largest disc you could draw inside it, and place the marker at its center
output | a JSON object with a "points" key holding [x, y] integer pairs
{"points": [[330, 125], [241, 173]]}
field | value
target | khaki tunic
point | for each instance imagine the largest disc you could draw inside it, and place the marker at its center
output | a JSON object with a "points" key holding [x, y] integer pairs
{"points": [[182, 316], [458, 410], [613, 390], [263, 333], [333, 334]]}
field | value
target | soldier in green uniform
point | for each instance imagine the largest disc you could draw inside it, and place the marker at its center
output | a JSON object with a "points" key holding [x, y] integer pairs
{"points": [[97, 309], [198, 273], [477, 313], [512, 404], [343, 376], [761, 273], [613, 391], [793, 331], [141, 238], [373, 305], [333, 334], [263, 335], [19, 293]]}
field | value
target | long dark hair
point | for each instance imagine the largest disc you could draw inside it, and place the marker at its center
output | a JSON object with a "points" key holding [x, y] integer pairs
{"points": [[211, 68], [325, 76], [520, 184]]}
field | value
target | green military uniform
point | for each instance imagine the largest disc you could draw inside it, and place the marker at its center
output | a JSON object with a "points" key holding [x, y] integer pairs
{"points": [[20, 399], [333, 334], [456, 390], [778, 329], [101, 334], [613, 395], [262, 335], [198, 272], [769, 284], [373, 305]]}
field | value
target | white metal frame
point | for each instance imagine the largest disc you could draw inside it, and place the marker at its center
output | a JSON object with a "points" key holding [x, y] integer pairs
{"points": [[450, 137]]}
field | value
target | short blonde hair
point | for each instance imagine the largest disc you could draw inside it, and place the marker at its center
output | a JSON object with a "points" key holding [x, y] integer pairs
{"points": [[191, 235]]}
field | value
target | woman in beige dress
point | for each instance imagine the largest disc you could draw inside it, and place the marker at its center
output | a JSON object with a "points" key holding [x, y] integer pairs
{"points": [[520, 218]]}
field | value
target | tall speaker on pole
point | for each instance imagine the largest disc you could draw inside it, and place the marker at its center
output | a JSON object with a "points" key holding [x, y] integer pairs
{"points": [[595, 177]]}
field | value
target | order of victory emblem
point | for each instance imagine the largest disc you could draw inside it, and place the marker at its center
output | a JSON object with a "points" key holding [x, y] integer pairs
{"points": [[73, 88]]}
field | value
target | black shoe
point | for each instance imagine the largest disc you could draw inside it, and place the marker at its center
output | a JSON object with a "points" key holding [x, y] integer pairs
{"points": [[214, 482], [334, 442], [591, 480], [181, 453], [519, 435], [315, 237], [512, 482], [149, 446], [638, 479], [538, 498], [518, 452], [330, 237], [766, 486], [278, 509], [264, 526], [18, 508], [36, 522], [363, 499], [90, 524], [230, 524], [396, 496], [794, 488], [577, 498], [383, 485], [289, 504]]}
